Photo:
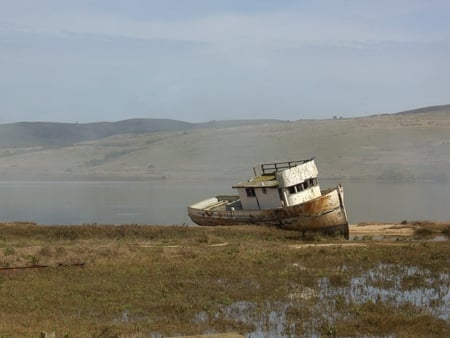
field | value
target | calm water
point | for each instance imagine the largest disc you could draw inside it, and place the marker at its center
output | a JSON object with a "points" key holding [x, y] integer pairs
{"points": [[165, 202]]}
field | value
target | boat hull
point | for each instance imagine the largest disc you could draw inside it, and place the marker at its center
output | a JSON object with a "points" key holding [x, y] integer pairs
{"points": [[323, 214]]}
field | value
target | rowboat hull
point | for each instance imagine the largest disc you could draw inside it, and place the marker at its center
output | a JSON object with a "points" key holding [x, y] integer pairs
{"points": [[325, 213]]}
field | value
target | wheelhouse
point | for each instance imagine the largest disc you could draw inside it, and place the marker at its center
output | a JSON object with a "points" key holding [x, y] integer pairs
{"points": [[280, 184]]}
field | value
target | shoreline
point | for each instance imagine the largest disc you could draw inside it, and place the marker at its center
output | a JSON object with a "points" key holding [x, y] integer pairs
{"points": [[387, 229]]}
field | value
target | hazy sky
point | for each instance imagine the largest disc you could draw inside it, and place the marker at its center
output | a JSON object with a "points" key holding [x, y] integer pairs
{"points": [[201, 60]]}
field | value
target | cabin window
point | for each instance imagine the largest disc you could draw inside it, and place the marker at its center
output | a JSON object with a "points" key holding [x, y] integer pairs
{"points": [[250, 192], [308, 183]]}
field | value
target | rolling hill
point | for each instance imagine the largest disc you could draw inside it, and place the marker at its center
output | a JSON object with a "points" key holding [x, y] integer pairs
{"points": [[29, 134], [401, 147]]}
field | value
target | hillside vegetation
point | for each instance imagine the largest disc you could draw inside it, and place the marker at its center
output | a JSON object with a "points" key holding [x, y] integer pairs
{"points": [[400, 147]]}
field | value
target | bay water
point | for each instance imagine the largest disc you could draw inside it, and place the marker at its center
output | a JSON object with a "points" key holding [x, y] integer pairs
{"points": [[165, 202]]}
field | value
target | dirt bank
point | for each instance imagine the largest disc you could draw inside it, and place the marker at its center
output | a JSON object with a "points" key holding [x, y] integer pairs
{"points": [[387, 229]]}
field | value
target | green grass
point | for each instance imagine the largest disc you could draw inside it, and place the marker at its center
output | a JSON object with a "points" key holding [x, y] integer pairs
{"points": [[143, 280]]}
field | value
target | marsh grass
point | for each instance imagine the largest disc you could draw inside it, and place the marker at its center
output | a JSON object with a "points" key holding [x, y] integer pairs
{"points": [[169, 280], [428, 228]]}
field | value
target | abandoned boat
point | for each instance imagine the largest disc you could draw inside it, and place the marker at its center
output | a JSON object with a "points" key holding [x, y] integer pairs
{"points": [[282, 194]]}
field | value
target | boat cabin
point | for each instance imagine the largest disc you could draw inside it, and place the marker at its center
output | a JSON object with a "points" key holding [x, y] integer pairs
{"points": [[281, 184]]}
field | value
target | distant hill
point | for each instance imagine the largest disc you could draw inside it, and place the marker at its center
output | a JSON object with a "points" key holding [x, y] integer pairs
{"points": [[405, 147], [24, 134], [431, 109], [50, 134]]}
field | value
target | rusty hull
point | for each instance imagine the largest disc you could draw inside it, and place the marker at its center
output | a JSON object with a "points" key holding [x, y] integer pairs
{"points": [[324, 214]]}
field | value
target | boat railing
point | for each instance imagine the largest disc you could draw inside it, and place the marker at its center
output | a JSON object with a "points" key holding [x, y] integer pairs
{"points": [[270, 168]]}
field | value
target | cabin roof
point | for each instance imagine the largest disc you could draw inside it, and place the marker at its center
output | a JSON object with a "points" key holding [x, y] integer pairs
{"points": [[259, 181]]}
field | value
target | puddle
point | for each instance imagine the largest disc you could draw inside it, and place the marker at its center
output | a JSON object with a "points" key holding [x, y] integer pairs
{"points": [[440, 238], [386, 283], [433, 294]]}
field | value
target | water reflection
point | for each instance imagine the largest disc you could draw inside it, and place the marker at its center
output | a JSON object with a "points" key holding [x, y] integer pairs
{"points": [[386, 283], [389, 283]]}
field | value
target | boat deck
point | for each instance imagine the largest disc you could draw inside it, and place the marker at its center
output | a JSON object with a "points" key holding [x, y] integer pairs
{"points": [[219, 203]]}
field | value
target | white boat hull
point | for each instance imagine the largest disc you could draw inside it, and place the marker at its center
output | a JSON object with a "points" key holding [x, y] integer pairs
{"points": [[323, 214]]}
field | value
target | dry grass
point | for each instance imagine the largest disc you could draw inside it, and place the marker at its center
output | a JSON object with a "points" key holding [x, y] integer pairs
{"points": [[145, 281]]}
